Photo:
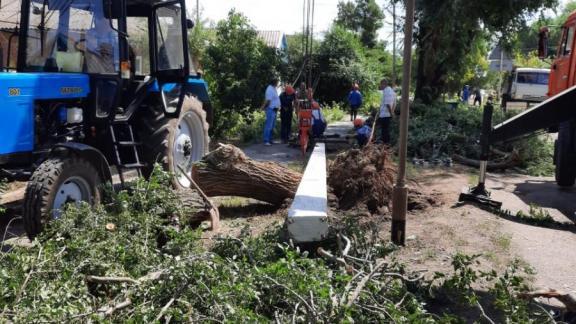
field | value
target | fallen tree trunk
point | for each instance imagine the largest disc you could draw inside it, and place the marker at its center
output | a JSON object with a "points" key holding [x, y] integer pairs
{"points": [[227, 171]]}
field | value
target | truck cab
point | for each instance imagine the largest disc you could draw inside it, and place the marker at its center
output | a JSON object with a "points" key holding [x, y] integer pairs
{"points": [[562, 74]]}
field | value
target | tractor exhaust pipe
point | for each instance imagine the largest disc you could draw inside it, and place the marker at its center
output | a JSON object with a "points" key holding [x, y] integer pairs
{"points": [[479, 194]]}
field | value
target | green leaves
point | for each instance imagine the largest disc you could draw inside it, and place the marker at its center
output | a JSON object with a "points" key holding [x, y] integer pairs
{"points": [[238, 66]]}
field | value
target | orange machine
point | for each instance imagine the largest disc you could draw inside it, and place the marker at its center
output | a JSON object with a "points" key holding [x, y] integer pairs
{"points": [[305, 126]]}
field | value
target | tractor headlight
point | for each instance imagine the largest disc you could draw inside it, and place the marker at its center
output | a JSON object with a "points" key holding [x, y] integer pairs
{"points": [[71, 115]]}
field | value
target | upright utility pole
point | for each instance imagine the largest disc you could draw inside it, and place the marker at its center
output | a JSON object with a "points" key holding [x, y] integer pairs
{"points": [[394, 77], [400, 193], [197, 12]]}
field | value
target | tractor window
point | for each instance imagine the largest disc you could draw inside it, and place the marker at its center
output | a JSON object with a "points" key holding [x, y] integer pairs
{"points": [[71, 36], [169, 38], [9, 18], [139, 45]]}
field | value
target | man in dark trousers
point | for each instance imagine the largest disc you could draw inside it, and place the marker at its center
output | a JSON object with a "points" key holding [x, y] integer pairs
{"points": [[387, 107], [287, 99], [355, 101], [478, 97]]}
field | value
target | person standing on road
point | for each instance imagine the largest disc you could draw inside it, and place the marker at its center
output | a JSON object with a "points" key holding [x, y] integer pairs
{"points": [[287, 99], [466, 94], [478, 97], [271, 106], [387, 107], [355, 101]]}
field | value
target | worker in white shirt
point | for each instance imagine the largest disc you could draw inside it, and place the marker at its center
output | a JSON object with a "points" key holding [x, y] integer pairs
{"points": [[387, 107], [271, 106]]}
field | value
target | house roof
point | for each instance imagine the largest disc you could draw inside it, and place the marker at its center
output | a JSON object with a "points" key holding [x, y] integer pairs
{"points": [[273, 38]]}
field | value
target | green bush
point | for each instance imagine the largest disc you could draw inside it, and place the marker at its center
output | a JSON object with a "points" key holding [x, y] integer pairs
{"points": [[333, 113], [238, 68], [439, 130]]}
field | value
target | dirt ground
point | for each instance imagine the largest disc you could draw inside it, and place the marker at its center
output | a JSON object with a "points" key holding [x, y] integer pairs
{"points": [[436, 234]]}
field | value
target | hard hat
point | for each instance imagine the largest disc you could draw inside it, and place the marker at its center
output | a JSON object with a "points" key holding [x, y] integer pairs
{"points": [[289, 90], [315, 105], [358, 122]]}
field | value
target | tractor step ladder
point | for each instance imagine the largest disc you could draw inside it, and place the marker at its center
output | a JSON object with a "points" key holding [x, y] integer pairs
{"points": [[129, 143]]}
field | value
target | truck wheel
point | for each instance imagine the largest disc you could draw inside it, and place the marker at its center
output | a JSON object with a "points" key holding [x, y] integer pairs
{"points": [[57, 182], [176, 141], [565, 157]]}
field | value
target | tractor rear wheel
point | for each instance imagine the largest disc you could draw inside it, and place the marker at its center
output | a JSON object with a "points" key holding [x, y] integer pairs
{"points": [[564, 156], [175, 141], [55, 183]]}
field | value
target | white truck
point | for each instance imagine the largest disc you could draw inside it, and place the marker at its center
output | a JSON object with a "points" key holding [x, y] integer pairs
{"points": [[529, 85]]}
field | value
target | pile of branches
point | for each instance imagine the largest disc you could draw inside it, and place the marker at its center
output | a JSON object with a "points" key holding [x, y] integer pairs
{"points": [[131, 260], [440, 131]]}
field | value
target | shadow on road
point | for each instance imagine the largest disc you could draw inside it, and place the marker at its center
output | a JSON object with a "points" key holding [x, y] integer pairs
{"points": [[547, 194]]}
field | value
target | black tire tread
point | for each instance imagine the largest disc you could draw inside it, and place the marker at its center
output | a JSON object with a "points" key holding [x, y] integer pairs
{"points": [[36, 199], [156, 131], [565, 162]]}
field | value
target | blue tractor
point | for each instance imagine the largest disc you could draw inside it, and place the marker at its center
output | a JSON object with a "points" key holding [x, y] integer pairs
{"points": [[96, 85]]}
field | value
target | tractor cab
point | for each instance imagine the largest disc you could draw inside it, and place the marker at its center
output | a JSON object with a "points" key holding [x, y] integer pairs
{"points": [[123, 46]]}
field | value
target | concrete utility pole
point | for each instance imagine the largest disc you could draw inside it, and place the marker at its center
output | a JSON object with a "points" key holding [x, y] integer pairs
{"points": [[400, 194], [394, 77]]}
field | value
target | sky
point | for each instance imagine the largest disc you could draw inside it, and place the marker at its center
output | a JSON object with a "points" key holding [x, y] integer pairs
{"points": [[283, 15]]}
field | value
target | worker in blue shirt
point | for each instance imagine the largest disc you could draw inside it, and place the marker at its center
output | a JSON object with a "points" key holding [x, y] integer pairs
{"points": [[355, 101], [363, 132]]}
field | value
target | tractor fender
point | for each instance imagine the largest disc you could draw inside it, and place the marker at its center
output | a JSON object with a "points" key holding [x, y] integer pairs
{"points": [[89, 153]]}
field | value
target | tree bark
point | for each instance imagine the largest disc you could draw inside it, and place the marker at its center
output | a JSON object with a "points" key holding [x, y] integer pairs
{"points": [[227, 171]]}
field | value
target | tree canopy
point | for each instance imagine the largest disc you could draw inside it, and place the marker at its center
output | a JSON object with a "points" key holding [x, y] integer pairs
{"points": [[448, 31], [364, 17], [238, 68]]}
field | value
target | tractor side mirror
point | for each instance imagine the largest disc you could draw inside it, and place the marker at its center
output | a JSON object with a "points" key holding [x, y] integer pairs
{"points": [[543, 43], [189, 24]]}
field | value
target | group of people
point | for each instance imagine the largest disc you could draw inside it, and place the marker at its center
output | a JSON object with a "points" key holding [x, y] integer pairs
{"points": [[385, 113], [291, 100], [468, 93], [287, 102]]}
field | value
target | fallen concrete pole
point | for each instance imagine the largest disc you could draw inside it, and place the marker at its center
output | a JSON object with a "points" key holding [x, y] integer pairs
{"points": [[308, 216]]}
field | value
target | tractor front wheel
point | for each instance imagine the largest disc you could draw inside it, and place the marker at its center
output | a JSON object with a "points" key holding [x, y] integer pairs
{"points": [[174, 142], [58, 181]]}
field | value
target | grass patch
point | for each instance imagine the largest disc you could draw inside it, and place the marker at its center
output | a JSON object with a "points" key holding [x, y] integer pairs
{"points": [[536, 215], [502, 241]]}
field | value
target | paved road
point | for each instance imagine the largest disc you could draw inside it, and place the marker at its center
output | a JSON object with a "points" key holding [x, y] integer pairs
{"points": [[284, 154]]}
